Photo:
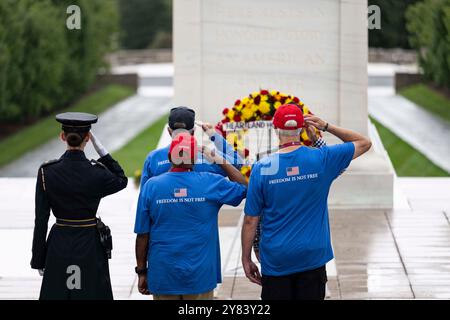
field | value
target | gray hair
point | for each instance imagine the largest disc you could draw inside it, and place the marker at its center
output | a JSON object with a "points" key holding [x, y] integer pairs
{"points": [[289, 133]]}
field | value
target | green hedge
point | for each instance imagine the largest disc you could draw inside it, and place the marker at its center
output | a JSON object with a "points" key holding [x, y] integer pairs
{"points": [[43, 65], [145, 23], [429, 25]]}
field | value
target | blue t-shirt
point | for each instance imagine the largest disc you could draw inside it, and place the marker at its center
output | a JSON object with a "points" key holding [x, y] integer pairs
{"points": [[180, 212], [157, 161], [290, 191]]}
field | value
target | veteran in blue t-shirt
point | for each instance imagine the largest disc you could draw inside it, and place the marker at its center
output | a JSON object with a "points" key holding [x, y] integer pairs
{"points": [[289, 189], [177, 224]]}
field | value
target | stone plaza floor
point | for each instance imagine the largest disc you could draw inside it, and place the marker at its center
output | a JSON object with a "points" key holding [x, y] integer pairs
{"points": [[402, 253]]}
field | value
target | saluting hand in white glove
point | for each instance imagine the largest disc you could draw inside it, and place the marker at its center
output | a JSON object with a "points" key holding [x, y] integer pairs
{"points": [[101, 150]]}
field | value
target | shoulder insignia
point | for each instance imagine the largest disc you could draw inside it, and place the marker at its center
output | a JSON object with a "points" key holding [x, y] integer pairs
{"points": [[95, 162], [49, 162]]}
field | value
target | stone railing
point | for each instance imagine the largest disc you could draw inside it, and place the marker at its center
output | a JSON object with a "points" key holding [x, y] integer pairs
{"points": [[130, 57], [397, 56]]}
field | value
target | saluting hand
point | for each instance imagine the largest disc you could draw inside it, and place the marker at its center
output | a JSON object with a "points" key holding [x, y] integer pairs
{"points": [[207, 128], [312, 120], [251, 271], [142, 285], [101, 150]]}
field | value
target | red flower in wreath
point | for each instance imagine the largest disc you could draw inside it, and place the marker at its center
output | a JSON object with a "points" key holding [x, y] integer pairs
{"points": [[219, 129]]}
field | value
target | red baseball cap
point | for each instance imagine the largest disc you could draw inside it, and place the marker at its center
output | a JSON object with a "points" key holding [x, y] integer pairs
{"points": [[183, 149], [288, 117]]}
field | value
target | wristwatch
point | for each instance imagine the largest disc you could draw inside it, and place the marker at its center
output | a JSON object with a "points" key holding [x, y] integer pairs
{"points": [[325, 128], [140, 271]]}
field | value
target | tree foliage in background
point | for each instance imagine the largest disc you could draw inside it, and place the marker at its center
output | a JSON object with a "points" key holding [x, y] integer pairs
{"points": [[429, 25], [11, 53], [100, 24], [146, 23], [43, 65], [393, 33]]}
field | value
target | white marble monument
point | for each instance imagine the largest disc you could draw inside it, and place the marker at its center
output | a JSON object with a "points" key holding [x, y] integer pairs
{"points": [[316, 50]]}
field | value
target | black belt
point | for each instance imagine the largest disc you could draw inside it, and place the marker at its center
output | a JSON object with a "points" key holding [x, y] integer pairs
{"points": [[77, 223]]}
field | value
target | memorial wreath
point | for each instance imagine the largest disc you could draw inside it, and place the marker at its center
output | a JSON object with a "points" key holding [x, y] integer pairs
{"points": [[257, 107]]}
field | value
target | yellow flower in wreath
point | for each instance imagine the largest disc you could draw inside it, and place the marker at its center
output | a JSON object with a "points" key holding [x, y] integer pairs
{"points": [[255, 94], [305, 110], [240, 144], [247, 113], [304, 135], [245, 169], [264, 107], [236, 140], [232, 138], [230, 114]]}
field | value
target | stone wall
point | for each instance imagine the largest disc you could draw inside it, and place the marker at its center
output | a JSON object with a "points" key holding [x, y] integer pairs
{"points": [[403, 80], [130, 57], [316, 50], [129, 79]]}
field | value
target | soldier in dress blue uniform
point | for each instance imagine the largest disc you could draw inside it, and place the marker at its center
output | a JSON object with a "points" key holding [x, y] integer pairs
{"points": [[73, 261]]}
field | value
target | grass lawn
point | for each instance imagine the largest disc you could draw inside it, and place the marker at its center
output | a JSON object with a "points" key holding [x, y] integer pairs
{"points": [[407, 161], [131, 156], [429, 99], [44, 130]]}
